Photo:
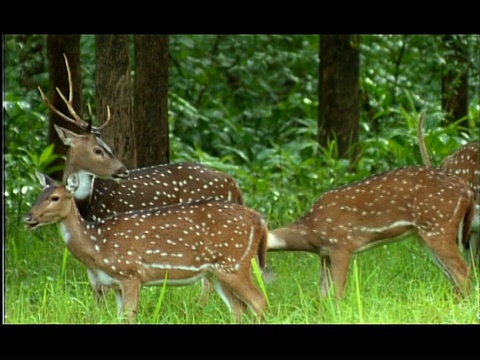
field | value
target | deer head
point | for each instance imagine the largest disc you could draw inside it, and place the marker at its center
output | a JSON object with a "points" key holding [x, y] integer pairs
{"points": [[87, 154]]}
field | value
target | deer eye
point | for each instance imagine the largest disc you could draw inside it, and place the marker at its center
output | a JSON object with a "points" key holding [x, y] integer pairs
{"points": [[55, 198], [98, 151]]}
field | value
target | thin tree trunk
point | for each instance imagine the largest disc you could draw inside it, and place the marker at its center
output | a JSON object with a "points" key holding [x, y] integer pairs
{"points": [[151, 101], [114, 88], [339, 109], [455, 79], [57, 45]]}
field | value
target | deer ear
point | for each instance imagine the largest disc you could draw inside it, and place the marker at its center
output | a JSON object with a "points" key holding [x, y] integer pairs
{"points": [[66, 136], [44, 180], [73, 181]]}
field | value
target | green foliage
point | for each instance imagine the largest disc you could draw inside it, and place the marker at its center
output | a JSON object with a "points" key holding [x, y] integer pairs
{"points": [[249, 89], [396, 67], [24, 138], [43, 163], [158, 307]]}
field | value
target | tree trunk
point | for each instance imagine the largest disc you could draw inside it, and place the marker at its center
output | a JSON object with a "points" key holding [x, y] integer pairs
{"points": [[339, 109], [455, 79], [114, 88], [151, 102], [57, 45]]}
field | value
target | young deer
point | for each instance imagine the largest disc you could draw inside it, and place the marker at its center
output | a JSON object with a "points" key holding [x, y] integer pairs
{"points": [[463, 163], [179, 244], [160, 185], [382, 208]]}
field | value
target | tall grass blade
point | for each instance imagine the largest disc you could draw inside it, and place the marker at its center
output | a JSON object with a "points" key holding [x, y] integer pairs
{"points": [[357, 288], [259, 277], [158, 307]]}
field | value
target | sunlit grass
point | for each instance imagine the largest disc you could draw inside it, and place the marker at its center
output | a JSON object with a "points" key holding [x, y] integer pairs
{"points": [[392, 284]]}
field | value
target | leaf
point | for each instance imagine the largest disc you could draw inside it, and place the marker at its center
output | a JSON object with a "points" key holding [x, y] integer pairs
{"points": [[45, 156]]}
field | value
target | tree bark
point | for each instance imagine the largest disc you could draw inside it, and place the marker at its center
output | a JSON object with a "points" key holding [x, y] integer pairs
{"points": [[151, 101], [114, 88], [339, 109], [455, 79], [57, 45]]}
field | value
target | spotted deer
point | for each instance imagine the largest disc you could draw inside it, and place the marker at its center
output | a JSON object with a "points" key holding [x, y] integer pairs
{"points": [[463, 163], [410, 201], [98, 196], [179, 244]]}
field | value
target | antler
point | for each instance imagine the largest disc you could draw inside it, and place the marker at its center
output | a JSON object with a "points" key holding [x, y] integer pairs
{"points": [[77, 120]]}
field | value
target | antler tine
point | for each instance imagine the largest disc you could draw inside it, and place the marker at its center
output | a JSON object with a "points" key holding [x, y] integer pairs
{"points": [[72, 111], [106, 121], [90, 127], [47, 102], [70, 108], [69, 102], [69, 76], [97, 129]]}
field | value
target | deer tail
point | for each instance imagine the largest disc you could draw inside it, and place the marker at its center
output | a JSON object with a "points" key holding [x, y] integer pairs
{"points": [[262, 248], [467, 224], [421, 142]]}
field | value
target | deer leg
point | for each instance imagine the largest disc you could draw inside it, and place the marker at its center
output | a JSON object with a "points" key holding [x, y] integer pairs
{"points": [[99, 290], [207, 288], [339, 262], [446, 254], [119, 301], [325, 275], [241, 284], [234, 304], [473, 252], [130, 293]]}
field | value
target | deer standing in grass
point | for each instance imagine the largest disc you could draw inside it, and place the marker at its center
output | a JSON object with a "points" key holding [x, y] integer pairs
{"points": [[179, 244], [463, 163], [97, 196], [420, 201]]}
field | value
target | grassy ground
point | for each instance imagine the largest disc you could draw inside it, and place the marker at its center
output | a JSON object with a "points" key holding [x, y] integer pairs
{"points": [[389, 285], [393, 284]]}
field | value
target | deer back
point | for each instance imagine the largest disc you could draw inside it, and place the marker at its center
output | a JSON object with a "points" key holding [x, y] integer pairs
{"points": [[464, 164], [382, 207], [161, 185]]}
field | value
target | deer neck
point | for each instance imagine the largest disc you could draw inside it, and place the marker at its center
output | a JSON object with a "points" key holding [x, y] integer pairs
{"points": [[84, 191], [293, 238], [78, 235]]}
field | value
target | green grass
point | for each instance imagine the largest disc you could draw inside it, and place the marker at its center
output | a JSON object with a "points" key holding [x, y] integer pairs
{"points": [[389, 285]]}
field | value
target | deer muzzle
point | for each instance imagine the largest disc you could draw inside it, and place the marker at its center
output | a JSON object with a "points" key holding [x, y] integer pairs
{"points": [[30, 222], [121, 173]]}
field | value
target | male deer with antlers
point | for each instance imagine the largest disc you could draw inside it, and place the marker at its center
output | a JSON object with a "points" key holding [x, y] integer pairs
{"points": [[158, 185], [179, 244], [463, 163], [386, 207]]}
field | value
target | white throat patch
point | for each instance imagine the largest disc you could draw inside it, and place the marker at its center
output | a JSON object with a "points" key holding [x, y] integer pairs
{"points": [[85, 185]]}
